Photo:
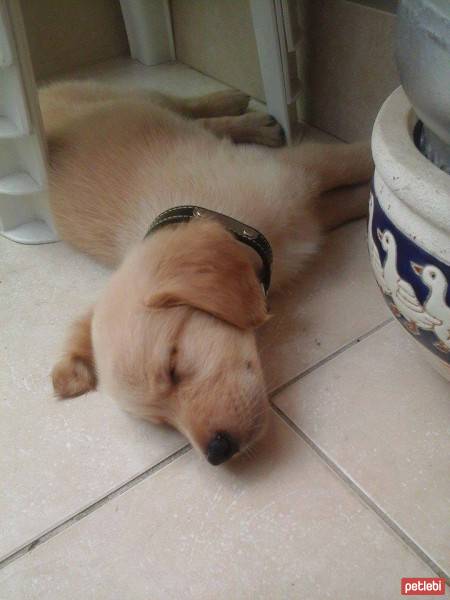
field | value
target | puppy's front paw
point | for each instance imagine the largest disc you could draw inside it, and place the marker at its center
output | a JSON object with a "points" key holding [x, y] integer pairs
{"points": [[272, 134], [73, 376]]}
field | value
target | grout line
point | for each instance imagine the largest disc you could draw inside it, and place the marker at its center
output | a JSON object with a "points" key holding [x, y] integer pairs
{"points": [[328, 133], [371, 504], [329, 357], [92, 507]]}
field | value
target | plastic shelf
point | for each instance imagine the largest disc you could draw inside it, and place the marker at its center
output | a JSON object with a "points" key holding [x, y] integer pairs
{"points": [[34, 232], [18, 184], [8, 129]]}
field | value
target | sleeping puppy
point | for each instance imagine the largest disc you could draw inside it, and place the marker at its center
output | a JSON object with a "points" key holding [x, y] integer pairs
{"points": [[172, 337]]}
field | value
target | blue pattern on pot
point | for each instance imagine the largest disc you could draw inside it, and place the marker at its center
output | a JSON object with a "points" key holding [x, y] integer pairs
{"points": [[414, 283]]}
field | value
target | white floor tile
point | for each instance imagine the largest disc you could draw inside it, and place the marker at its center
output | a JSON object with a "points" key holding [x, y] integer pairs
{"points": [[56, 457], [281, 525], [383, 415]]}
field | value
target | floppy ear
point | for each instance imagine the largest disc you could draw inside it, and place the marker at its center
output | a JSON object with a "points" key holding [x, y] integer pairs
{"points": [[206, 268]]}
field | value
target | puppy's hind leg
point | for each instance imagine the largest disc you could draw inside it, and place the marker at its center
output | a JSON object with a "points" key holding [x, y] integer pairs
{"points": [[75, 373], [339, 206]]}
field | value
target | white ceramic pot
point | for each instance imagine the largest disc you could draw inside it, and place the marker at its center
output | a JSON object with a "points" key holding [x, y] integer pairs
{"points": [[409, 231]]}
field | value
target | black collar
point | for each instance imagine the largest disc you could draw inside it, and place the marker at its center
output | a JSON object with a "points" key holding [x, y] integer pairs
{"points": [[245, 234]]}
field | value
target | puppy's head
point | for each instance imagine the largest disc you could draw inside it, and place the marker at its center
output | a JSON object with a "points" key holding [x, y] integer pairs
{"points": [[174, 341]]}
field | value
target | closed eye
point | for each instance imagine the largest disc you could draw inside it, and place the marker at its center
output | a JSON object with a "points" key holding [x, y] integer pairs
{"points": [[173, 374], [174, 378]]}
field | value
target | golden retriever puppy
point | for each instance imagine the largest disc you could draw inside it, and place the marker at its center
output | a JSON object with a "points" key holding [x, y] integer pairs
{"points": [[172, 336]]}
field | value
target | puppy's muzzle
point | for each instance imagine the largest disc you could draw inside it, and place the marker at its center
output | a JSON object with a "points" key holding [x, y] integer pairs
{"points": [[221, 448]]}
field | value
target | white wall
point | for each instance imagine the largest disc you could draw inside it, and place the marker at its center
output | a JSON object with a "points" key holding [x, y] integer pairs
{"points": [[67, 34]]}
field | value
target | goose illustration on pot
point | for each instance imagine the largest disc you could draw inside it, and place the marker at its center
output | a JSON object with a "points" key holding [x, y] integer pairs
{"points": [[435, 304], [406, 303], [414, 283]]}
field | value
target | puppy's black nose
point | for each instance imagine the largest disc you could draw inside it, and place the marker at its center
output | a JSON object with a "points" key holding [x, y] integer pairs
{"points": [[221, 448]]}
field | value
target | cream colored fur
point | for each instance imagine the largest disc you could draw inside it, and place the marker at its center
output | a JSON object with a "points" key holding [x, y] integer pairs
{"points": [[172, 336]]}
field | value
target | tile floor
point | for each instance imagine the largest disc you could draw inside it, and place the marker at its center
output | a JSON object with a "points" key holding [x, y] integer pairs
{"points": [[348, 493]]}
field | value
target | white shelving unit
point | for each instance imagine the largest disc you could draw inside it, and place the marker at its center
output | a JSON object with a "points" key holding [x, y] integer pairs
{"points": [[24, 209], [278, 35]]}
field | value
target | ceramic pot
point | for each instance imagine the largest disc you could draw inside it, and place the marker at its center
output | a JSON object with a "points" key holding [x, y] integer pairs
{"points": [[409, 231]]}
